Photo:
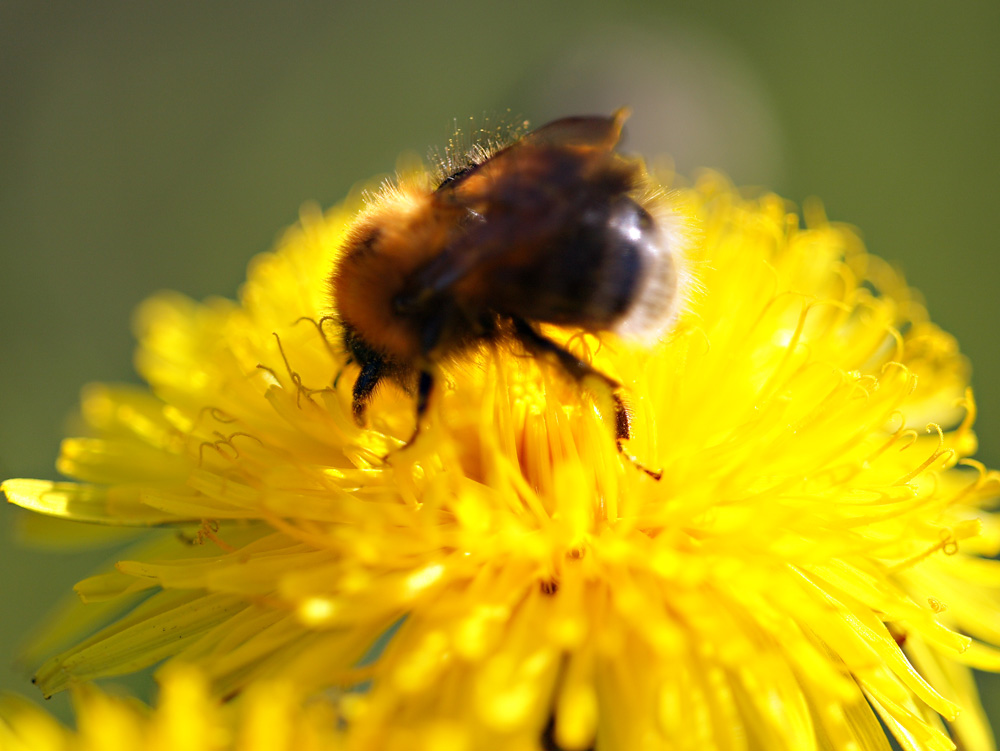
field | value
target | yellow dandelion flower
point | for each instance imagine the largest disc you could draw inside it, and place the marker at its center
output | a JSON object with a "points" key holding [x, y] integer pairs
{"points": [[813, 560], [270, 717]]}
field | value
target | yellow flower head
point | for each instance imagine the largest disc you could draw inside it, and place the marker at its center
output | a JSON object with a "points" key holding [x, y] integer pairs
{"points": [[809, 561], [270, 716]]}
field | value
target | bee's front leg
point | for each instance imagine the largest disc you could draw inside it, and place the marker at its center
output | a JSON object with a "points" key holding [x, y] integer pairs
{"points": [[372, 372]]}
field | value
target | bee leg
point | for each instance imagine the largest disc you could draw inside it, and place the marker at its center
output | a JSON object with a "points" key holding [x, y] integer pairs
{"points": [[623, 420], [425, 386], [572, 364], [623, 431], [371, 373], [430, 335], [580, 371]]}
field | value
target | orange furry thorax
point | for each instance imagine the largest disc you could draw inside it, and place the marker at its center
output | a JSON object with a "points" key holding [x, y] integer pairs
{"points": [[367, 280]]}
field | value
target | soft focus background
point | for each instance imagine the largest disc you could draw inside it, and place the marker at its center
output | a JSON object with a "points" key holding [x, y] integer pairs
{"points": [[150, 146]]}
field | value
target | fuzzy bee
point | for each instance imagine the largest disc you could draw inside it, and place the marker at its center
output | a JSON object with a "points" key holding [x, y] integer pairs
{"points": [[551, 228]]}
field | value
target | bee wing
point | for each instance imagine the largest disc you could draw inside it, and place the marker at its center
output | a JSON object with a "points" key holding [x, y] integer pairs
{"points": [[504, 183], [592, 131], [585, 131]]}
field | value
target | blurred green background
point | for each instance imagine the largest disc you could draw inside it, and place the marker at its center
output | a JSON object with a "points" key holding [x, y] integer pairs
{"points": [[149, 146]]}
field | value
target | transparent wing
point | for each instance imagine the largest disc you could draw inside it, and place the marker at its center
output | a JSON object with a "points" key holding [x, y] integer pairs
{"points": [[509, 197]]}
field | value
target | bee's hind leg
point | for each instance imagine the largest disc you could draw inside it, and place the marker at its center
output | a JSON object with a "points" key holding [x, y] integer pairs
{"points": [[623, 431], [573, 365], [580, 371]]}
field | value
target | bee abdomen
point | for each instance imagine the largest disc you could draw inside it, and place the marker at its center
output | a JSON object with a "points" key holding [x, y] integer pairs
{"points": [[613, 271], [654, 302], [619, 259]]}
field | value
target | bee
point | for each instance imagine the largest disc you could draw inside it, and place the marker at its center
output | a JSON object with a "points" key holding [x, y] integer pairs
{"points": [[556, 227]]}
